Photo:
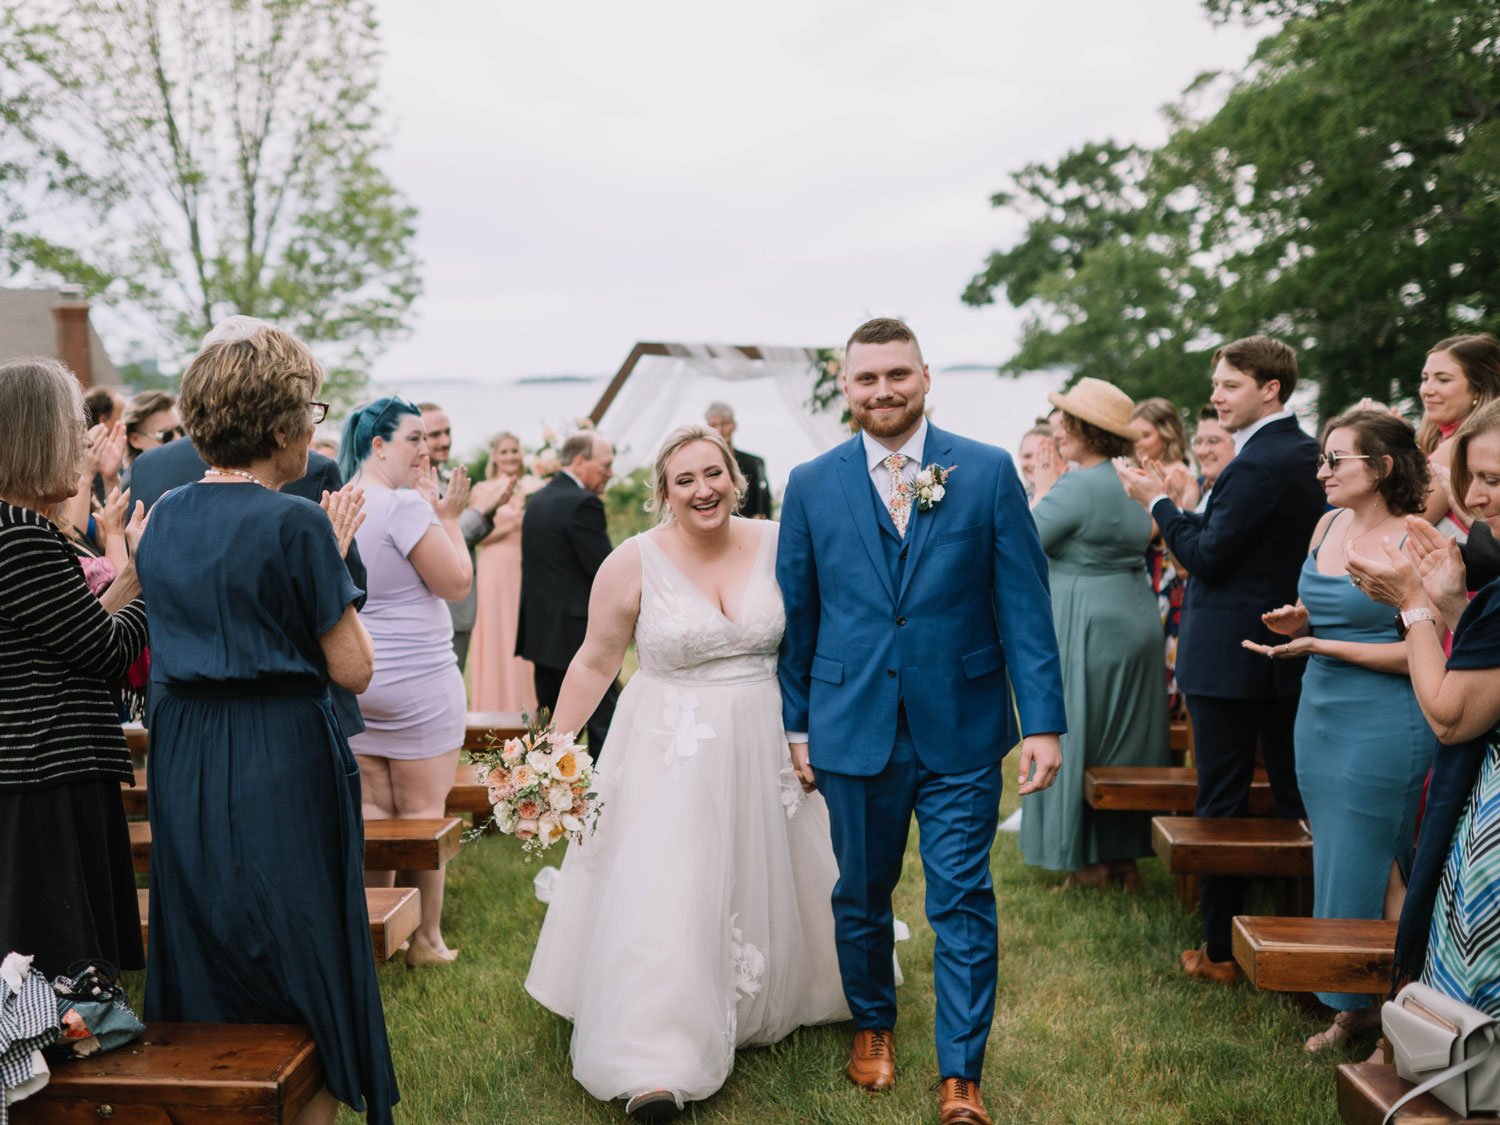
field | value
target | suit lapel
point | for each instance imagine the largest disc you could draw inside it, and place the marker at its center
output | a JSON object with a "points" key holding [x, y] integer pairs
{"points": [[919, 530], [856, 483]]}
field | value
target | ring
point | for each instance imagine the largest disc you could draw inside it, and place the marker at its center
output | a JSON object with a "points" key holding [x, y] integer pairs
{"points": [[1354, 579]]}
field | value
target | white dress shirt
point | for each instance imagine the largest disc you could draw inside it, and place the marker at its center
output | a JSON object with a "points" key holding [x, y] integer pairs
{"points": [[880, 473], [1242, 436]]}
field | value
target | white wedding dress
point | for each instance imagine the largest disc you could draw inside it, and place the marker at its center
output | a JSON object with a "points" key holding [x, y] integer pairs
{"points": [[696, 919]]}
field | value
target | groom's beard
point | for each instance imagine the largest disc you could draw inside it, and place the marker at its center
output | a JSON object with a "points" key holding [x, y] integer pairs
{"points": [[889, 425]]}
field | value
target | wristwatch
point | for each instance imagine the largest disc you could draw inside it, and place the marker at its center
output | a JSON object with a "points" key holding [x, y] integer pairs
{"points": [[1409, 617]]}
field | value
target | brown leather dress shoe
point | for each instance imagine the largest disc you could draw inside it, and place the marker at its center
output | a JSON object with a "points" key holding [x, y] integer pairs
{"points": [[872, 1061], [1195, 963], [959, 1103]]}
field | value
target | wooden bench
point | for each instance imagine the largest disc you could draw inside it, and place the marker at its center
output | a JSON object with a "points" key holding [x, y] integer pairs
{"points": [[1159, 789], [190, 1074], [1315, 954], [395, 913], [1367, 1090], [479, 727], [1191, 845], [390, 845]]}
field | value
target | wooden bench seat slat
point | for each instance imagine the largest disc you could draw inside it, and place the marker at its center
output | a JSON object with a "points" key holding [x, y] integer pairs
{"points": [[390, 845], [395, 913], [1367, 1090], [479, 727], [1249, 846], [188, 1074], [466, 797], [1160, 789], [1315, 954]]}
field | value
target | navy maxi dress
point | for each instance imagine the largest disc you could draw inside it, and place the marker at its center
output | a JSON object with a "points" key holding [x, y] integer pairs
{"points": [[257, 884]]}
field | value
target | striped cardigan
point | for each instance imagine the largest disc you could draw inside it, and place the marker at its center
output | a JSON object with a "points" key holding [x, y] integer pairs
{"points": [[59, 648]]}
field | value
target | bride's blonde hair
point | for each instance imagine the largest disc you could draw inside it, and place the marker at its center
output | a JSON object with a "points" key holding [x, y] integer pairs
{"points": [[686, 435]]}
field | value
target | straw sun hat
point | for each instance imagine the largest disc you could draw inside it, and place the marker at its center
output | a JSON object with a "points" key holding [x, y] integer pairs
{"points": [[1099, 403]]}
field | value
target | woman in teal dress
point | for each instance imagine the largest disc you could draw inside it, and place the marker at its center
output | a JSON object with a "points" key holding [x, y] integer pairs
{"points": [[1447, 933], [1109, 637], [1360, 779], [257, 884]]}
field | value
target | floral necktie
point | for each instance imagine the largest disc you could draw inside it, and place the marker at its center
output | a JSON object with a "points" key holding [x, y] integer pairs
{"points": [[899, 499]]}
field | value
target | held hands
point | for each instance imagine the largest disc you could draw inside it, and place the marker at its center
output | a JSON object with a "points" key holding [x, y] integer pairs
{"points": [[345, 510], [802, 768], [1044, 752]]}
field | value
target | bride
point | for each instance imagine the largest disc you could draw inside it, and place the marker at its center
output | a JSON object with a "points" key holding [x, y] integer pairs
{"points": [[697, 918]]}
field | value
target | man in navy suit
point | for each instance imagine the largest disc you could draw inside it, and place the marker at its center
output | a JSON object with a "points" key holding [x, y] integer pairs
{"points": [[1243, 554], [913, 608]]}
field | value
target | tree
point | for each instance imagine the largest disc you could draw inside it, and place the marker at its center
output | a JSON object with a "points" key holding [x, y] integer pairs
{"points": [[192, 159], [1344, 195]]}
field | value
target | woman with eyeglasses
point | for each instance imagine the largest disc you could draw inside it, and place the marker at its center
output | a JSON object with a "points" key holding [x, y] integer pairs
{"points": [[258, 908], [1362, 745], [150, 420], [415, 707], [1213, 446]]}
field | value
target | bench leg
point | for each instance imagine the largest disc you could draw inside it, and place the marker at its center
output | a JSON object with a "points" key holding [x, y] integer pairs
{"points": [[1187, 891], [322, 1110]]}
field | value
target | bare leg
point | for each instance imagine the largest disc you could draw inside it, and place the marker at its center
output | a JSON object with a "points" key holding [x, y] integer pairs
{"points": [[421, 790], [378, 802], [1395, 893]]}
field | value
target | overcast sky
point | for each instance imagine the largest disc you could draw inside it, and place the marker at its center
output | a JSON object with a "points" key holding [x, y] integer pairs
{"points": [[592, 173]]}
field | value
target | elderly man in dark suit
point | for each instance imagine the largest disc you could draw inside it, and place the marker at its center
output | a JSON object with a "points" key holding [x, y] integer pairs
{"points": [[157, 471], [564, 541], [1244, 552], [757, 505]]}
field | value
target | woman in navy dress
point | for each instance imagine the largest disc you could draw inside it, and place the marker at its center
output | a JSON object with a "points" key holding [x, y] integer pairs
{"points": [[1362, 744], [257, 891]]}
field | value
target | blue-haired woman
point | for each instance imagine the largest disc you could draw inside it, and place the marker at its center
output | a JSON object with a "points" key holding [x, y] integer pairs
{"points": [[414, 708]]}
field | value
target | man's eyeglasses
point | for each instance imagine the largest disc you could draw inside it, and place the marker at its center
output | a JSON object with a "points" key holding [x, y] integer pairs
{"points": [[1333, 460], [319, 412]]}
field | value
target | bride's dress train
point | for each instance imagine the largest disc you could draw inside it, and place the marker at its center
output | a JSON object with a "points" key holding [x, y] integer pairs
{"points": [[697, 918]]}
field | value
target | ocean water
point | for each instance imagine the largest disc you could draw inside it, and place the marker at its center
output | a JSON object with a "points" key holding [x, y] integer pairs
{"points": [[974, 402]]}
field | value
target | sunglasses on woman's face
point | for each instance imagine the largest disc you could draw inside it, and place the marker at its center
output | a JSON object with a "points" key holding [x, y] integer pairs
{"points": [[165, 436], [1334, 460]]}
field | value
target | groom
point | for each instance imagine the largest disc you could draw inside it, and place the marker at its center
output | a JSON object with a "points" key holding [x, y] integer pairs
{"points": [[912, 611]]}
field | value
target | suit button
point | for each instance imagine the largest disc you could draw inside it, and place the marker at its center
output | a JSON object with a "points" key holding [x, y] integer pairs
{"points": [[900, 621], [903, 554], [891, 672]]}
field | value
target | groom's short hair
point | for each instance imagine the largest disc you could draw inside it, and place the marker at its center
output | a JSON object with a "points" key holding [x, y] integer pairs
{"points": [[884, 330]]}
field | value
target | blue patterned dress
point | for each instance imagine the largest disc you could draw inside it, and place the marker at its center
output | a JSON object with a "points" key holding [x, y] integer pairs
{"points": [[1463, 952]]}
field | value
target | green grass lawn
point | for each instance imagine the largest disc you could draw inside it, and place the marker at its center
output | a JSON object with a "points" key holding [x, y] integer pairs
{"points": [[1094, 1021]]}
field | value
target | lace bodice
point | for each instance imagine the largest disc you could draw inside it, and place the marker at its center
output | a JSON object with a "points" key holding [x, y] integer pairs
{"points": [[682, 636]]}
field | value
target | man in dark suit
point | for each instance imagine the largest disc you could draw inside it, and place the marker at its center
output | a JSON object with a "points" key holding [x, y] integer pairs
{"points": [[159, 470], [757, 505], [564, 541], [1243, 554]]}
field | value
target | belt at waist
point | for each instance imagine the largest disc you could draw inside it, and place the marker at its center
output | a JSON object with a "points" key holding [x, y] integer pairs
{"points": [[301, 687]]}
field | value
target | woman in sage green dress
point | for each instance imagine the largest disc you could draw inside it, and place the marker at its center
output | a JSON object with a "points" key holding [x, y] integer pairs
{"points": [[1109, 636]]}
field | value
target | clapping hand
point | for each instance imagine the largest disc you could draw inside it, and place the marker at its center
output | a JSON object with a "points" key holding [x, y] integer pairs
{"points": [[487, 496], [112, 516], [1441, 565], [346, 511], [1288, 620], [456, 499], [1297, 646], [1391, 578], [1047, 469], [1140, 485], [104, 450], [136, 527]]}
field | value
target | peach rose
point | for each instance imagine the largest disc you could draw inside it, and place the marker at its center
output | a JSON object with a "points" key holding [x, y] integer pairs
{"points": [[525, 829], [513, 751], [523, 777], [529, 809]]}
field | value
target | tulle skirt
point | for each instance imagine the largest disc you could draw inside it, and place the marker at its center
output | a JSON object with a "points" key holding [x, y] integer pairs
{"points": [[697, 918]]}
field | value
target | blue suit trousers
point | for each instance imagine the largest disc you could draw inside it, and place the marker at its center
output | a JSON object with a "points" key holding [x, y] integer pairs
{"points": [[957, 816]]}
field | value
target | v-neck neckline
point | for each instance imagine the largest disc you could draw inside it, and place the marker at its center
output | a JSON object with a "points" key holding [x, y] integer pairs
{"points": [[710, 602]]}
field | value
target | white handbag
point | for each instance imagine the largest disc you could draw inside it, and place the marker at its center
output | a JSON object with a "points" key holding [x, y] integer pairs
{"points": [[1444, 1046]]}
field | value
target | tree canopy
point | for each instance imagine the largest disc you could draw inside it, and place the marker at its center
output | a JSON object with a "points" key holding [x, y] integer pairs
{"points": [[1343, 194], [195, 158]]}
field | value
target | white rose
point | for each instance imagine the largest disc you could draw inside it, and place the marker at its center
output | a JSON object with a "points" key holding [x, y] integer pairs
{"points": [[560, 796], [937, 493], [924, 479], [572, 823], [540, 761]]}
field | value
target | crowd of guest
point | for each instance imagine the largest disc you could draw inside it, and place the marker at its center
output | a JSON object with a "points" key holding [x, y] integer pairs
{"points": [[1244, 575]]}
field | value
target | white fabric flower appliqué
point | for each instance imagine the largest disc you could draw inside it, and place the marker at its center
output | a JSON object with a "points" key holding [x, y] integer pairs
{"points": [[792, 795], [749, 962], [680, 714]]}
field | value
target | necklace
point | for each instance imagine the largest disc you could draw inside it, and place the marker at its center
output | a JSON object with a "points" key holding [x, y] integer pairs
{"points": [[241, 473]]}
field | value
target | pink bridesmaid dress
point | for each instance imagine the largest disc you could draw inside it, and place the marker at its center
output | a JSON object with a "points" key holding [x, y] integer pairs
{"points": [[499, 679]]}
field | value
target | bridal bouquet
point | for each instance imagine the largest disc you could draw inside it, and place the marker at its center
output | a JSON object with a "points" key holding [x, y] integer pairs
{"points": [[540, 785]]}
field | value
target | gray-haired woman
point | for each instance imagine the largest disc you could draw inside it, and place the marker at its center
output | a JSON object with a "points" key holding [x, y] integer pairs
{"points": [[67, 883]]}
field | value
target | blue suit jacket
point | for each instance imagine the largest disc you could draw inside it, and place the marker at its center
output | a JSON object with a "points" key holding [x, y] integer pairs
{"points": [[947, 630], [1243, 555]]}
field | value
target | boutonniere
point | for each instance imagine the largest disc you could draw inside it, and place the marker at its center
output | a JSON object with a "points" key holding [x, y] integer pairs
{"points": [[932, 485]]}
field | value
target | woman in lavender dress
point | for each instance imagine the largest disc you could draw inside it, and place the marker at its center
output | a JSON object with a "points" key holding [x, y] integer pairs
{"points": [[414, 707]]}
